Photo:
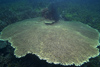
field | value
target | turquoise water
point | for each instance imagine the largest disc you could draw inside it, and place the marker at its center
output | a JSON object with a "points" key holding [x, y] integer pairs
{"points": [[11, 11]]}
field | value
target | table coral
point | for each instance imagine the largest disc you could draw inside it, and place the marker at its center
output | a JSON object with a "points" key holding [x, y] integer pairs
{"points": [[65, 42]]}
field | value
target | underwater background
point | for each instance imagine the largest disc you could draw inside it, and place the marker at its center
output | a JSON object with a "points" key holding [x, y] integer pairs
{"points": [[11, 11]]}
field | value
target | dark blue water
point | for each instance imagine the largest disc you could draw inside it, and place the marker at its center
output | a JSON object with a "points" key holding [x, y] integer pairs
{"points": [[11, 11]]}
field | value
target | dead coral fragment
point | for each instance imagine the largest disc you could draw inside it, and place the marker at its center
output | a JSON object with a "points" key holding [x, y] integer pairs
{"points": [[63, 43]]}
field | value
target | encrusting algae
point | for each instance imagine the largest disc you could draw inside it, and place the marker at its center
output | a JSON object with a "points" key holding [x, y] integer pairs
{"points": [[65, 42]]}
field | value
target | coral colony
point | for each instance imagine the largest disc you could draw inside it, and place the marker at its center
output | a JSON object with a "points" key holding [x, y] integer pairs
{"points": [[65, 43]]}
